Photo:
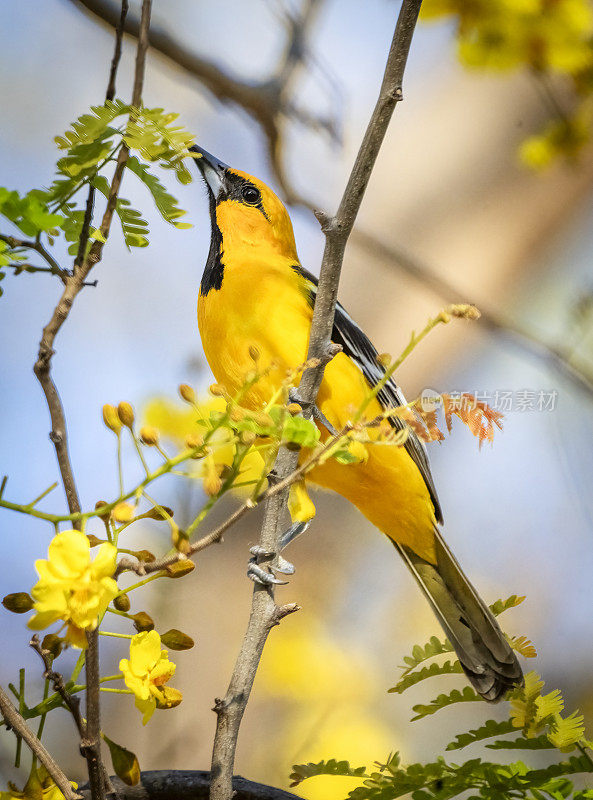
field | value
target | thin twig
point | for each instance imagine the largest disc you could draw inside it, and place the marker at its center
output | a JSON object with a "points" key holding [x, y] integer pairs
{"points": [[268, 101], [549, 353], [15, 721], [54, 267], [264, 611], [90, 744], [71, 702]]}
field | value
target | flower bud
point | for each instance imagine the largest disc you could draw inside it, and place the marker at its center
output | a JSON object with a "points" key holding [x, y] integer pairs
{"points": [[142, 621], [100, 504], [194, 440], [217, 390], [160, 513], [187, 393], [125, 763], [123, 512], [384, 359], [179, 568], [18, 602], [149, 435], [125, 412], [168, 698], [145, 555], [179, 540], [464, 311], [247, 437], [111, 419], [121, 602], [53, 643], [177, 640], [294, 409], [237, 414]]}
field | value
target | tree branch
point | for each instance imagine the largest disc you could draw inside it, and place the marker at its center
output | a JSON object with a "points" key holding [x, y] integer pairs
{"points": [[15, 721], [559, 358], [264, 611], [267, 101], [189, 785]]}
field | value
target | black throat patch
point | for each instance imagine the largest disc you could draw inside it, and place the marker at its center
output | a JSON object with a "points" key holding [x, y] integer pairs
{"points": [[212, 277]]}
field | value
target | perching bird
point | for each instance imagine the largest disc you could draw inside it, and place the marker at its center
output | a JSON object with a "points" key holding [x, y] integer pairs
{"points": [[255, 294]]}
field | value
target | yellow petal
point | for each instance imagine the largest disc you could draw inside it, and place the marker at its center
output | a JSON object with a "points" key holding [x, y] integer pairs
{"points": [[69, 553], [104, 564], [146, 708], [300, 505], [145, 650]]}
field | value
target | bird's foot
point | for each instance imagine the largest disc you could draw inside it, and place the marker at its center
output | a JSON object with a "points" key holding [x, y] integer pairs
{"points": [[264, 575], [316, 412]]}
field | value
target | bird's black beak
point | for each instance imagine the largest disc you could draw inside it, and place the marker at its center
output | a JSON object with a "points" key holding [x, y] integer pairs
{"points": [[212, 169]]}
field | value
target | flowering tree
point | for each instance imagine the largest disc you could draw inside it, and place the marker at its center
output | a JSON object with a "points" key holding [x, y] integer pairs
{"points": [[89, 575]]}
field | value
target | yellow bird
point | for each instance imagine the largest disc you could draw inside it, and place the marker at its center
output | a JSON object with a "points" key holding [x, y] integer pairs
{"points": [[254, 293]]}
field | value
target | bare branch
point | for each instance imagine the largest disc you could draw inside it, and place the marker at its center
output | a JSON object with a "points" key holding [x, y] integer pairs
{"points": [[264, 611], [15, 721], [268, 102], [54, 267], [189, 785], [551, 354], [71, 702]]}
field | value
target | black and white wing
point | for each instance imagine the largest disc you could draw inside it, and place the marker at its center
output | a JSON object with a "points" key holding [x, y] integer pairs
{"points": [[357, 345]]}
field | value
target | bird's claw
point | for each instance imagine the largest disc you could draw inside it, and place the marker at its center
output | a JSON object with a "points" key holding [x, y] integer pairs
{"points": [[259, 575], [266, 576], [316, 412]]}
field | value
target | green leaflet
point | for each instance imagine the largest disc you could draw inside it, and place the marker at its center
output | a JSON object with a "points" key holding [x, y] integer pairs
{"points": [[433, 647], [522, 743], [466, 695], [90, 127], [166, 204], [486, 731], [29, 213], [134, 227], [151, 132], [499, 606], [412, 678], [301, 772]]}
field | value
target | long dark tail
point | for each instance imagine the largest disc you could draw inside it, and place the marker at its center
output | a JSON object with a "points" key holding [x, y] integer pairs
{"points": [[485, 655]]}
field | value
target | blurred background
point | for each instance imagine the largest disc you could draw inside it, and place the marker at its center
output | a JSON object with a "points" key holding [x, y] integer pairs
{"points": [[451, 215]]}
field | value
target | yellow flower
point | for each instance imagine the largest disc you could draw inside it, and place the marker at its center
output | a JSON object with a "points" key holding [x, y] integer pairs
{"points": [[73, 588], [146, 673], [39, 786]]}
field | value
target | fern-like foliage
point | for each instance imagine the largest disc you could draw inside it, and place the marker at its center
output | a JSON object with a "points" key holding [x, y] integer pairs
{"points": [[152, 133], [538, 719], [28, 212], [89, 128], [166, 204], [134, 227], [332, 767]]}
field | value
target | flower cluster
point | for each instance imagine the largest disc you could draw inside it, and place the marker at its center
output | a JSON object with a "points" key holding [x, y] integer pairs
{"points": [[71, 587]]}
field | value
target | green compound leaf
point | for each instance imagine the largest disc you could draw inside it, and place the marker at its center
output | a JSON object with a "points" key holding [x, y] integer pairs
{"points": [[90, 127], [466, 695], [488, 730], [412, 678], [29, 212], [301, 772], [522, 743], [134, 227], [420, 653], [166, 204], [500, 606]]}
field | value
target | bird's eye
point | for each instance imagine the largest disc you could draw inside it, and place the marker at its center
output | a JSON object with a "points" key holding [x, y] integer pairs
{"points": [[251, 194]]}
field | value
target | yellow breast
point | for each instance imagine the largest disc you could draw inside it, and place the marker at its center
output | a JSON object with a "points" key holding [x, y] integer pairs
{"points": [[259, 308]]}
